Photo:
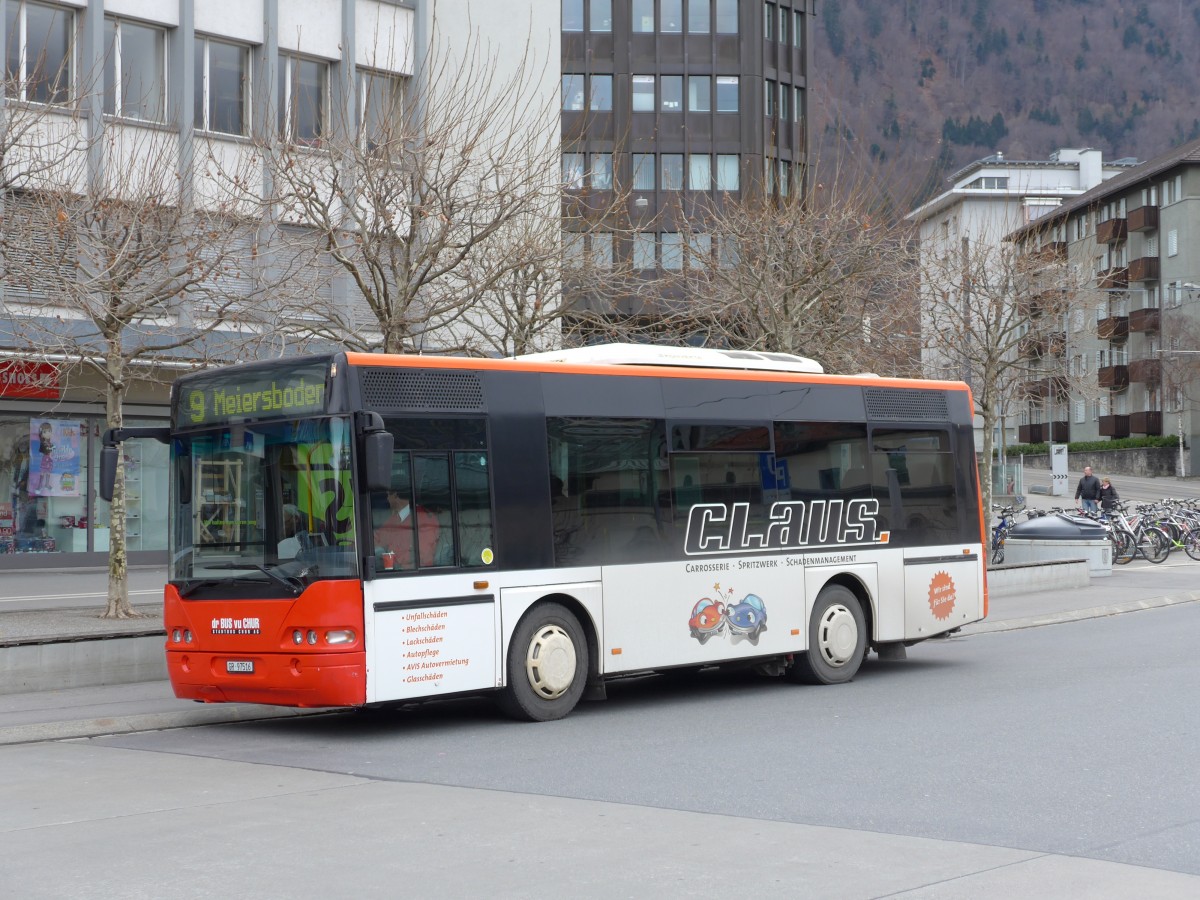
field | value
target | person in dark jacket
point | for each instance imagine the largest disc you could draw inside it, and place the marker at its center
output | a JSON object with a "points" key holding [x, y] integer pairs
{"points": [[1108, 495], [1088, 490]]}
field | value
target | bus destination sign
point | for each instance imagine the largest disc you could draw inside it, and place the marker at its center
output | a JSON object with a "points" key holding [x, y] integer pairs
{"points": [[242, 395]]}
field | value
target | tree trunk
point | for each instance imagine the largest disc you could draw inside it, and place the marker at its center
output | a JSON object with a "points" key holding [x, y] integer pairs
{"points": [[118, 606]]}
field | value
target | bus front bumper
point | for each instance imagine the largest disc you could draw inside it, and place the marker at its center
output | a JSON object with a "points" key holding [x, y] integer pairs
{"points": [[280, 679]]}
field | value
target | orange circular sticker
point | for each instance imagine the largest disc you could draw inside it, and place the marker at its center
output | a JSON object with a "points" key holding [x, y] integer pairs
{"points": [[941, 595]]}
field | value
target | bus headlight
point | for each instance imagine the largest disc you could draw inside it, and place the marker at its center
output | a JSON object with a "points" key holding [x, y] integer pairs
{"points": [[341, 636], [297, 636], [312, 637], [175, 635], [187, 635]]}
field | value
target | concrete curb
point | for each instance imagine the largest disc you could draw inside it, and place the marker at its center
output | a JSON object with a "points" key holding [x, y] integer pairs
{"points": [[1076, 615], [220, 714]]}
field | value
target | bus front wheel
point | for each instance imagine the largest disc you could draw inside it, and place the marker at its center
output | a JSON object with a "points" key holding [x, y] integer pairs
{"points": [[547, 665], [837, 639]]}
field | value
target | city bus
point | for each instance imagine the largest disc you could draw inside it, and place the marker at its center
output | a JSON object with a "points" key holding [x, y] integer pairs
{"points": [[359, 530]]}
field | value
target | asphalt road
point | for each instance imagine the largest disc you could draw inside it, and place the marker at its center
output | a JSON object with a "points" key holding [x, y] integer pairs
{"points": [[1046, 761]]}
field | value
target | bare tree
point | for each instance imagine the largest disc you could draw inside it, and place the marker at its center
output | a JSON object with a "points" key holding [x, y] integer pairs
{"points": [[998, 316], [118, 275], [404, 200], [825, 276]]}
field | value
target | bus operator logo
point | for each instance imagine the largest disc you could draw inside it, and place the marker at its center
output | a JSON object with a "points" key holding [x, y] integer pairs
{"points": [[791, 525]]}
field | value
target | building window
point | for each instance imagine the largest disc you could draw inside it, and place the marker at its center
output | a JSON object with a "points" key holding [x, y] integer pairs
{"points": [[303, 99], [783, 24], [727, 93], [643, 251], [671, 89], [572, 15], [728, 172], [602, 171], [727, 16], [699, 172], [699, 93], [728, 255], [572, 93], [769, 21], [768, 98], [699, 250], [573, 250], [672, 251], [1173, 242], [601, 93], [784, 93], [222, 82], [784, 178], [643, 16], [670, 19], [135, 66], [643, 93], [643, 171], [672, 171], [797, 29], [601, 251], [699, 17], [39, 52], [572, 171], [381, 107], [797, 105], [600, 19]]}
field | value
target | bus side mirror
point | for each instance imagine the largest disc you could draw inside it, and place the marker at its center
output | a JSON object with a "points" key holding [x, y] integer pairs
{"points": [[108, 471], [378, 447]]}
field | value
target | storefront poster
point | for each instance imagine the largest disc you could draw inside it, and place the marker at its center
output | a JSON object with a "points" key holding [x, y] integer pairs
{"points": [[54, 453]]}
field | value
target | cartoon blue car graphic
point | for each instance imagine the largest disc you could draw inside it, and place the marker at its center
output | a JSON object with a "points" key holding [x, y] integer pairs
{"points": [[747, 619]]}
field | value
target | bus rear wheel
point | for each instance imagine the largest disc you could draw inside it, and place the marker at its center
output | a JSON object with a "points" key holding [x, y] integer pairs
{"points": [[837, 639], [547, 665]]}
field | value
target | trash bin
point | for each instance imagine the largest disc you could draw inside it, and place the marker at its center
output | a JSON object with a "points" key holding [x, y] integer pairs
{"points": [[1061, 536]]}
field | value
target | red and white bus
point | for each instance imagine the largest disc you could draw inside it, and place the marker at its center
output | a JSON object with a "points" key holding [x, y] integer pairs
{"points": [[363, 529]]}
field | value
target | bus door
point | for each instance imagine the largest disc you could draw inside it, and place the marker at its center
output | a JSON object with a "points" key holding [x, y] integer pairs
{"points": [[934, 519], [431, 604]]}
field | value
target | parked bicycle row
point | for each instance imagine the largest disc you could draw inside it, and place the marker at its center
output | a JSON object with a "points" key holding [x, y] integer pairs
{"points": [[1149, 530]]}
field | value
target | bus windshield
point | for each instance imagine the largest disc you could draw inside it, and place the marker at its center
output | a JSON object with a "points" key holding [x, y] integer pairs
{"points": [[267, 506]]}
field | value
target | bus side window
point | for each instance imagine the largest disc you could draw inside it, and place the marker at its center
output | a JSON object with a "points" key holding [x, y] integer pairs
{"points": [[474, 502]]}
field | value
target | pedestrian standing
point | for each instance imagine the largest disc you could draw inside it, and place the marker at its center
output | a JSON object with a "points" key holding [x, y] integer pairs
{"points": [[1108, 495], [1088, 490]]}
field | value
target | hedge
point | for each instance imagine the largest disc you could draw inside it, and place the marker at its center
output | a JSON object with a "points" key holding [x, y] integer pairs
{"points": [[1128, 443]]}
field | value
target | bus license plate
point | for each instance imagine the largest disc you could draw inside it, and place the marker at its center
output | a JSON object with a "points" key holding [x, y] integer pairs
{"points": [[239, 666]]}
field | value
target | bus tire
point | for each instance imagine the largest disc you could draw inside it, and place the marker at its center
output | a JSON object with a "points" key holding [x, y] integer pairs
{"points": [[837, 639], [547, 665]]}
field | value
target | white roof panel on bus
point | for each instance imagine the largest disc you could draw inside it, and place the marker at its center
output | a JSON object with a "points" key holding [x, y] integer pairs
{"points": [[695, 357]]}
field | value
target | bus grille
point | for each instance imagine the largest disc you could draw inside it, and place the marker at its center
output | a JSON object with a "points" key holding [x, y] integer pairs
{"points": [[424, 390], [906, 405]]}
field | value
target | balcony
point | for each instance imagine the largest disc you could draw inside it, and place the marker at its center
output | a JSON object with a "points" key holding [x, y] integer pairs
{"points": [[1112, 279], [1111, 231], [1144, 218], [1060, 432], [1113, 328], [1142, 320], [1144, 268], [1054, 251], [1113, 377], [1031, 434], [1146, 371], [1054, 386], [1114, 426], [1149, 422]]}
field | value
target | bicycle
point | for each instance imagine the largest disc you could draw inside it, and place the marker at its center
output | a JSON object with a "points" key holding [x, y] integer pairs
{"points": [[1134, 535], [1001, 530]]}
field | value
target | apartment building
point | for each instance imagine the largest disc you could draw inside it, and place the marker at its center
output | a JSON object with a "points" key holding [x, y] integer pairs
{"points": [[1134, 336], [987, 200], [189, 90], [669, 106]]}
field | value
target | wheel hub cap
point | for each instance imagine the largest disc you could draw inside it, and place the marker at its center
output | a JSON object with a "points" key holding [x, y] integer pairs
{"points": [[838, 635], [550, 662]]}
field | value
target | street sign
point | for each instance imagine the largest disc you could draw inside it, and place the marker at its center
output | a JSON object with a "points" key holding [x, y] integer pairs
{"points": [[1058, 470]]}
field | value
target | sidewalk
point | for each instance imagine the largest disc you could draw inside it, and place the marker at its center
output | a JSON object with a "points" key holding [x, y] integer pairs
{"points": [[148, 705]]}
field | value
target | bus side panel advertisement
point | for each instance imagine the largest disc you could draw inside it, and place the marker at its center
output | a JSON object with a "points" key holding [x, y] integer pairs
{"points": [[433, 649], [701, 610]]}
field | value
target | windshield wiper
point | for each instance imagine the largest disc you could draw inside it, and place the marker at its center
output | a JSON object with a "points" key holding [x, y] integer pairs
{"points": [[294, 584], [190, 587]]}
